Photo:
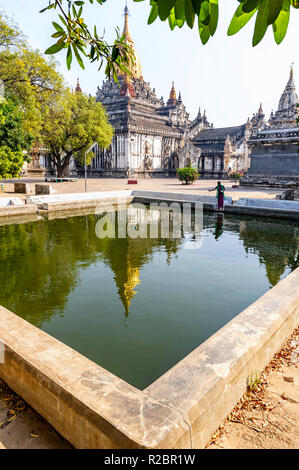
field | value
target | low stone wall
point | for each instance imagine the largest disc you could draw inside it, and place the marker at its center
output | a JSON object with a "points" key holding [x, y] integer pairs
{"points": [[75, 199], [92, 408], [14, 206], [68, 202], [44, 189], [70, 206], [209, 202], [266, 181], [22, 188], [268, 204], [276, 208], [13, 211]]}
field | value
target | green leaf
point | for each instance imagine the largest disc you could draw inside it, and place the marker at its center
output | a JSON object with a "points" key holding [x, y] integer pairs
{"points": [[204, 32], [69, 57], [239, 20], [58, 34], [164, 7], [214, 13], [197, 5], [280, 26], [249, 5], [275, 7], [261, 23], [78, 57], [49, 7], [57, 26], [171, 20], [204, 15], [179, 9], [189, 13], [180, 22], [55, 48], [153, 14], [115, 54]]}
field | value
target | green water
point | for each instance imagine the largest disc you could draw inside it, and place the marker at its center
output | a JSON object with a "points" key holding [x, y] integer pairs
{"points": [[138, 306]]}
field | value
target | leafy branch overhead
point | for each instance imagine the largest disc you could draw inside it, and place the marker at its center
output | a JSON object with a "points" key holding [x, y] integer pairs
{"points": [[72, 33], [205, 14]]}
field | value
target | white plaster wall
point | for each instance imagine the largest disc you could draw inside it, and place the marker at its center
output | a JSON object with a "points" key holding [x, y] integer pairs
{"points": [[157, 146], [157, 162]]}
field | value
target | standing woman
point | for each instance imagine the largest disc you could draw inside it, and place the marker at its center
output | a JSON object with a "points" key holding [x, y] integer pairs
{"points": [[220, 195]]}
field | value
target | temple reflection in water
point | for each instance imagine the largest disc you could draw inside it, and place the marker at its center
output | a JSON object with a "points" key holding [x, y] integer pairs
{"points": [[45, 259]]}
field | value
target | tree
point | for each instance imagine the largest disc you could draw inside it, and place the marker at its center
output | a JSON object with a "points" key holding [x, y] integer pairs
{"points": [[10, 35], [73, 34], [28, 77], [74, 123], [15, 141]]}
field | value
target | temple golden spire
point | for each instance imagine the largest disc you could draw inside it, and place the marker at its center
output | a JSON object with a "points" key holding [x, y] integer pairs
{"points": [[135, 67], [126, 31], [172, 96], [172, 92]]}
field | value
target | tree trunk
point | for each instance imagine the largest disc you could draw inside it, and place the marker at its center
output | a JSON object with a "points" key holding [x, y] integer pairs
{"points": [[62, 166]]}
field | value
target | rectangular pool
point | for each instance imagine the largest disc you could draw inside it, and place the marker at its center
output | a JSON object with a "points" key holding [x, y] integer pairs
{"points": [[138, 306]]}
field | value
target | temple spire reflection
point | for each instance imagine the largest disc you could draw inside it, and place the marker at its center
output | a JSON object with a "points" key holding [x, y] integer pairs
{"points": [[126, 280]]}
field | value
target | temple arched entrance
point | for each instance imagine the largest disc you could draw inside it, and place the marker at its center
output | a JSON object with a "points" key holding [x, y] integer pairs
{"points": [[175, 162]]}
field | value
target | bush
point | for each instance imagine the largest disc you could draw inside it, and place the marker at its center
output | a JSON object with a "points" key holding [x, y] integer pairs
{"points": [[10, 162], [236, 175], [187, 175]]}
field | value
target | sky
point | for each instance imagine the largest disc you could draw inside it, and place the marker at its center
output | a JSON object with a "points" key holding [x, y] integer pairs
{"points": [[227, 77]]}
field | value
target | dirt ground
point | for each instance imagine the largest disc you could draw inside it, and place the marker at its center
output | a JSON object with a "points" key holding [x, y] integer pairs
{"points": [[267, 417], [201, 186], [22, 428]]}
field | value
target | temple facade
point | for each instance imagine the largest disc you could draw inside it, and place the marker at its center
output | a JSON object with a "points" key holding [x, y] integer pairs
{"points": [[154, 138]]}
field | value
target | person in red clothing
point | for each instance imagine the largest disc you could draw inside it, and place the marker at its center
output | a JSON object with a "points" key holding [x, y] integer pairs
{"points": [[220, 195]]}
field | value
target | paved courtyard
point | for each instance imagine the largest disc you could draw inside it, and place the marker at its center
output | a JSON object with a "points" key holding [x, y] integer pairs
{"points": [[201, 186]]}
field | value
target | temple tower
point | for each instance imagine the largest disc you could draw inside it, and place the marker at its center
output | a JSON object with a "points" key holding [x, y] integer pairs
{"points": [[274, 148], [135, 66], [78, 87], [172, 101], [287, 112]]}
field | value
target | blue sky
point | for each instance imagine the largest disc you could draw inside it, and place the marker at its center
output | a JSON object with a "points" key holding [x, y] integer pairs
{"points": [[227, 77]]}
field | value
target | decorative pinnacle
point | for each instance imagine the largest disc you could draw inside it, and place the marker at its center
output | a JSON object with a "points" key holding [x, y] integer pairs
{"points": [[78, 87], [261, 111], [172, 92], [292, 71], [126, 9], [126, 31]]}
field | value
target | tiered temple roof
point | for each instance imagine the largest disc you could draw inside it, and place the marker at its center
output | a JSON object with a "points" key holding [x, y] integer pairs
{"points": [[213, 140], [134, 103]]}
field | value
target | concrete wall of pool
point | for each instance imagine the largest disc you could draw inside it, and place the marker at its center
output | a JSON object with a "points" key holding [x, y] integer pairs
{"points": [[92, 408]]}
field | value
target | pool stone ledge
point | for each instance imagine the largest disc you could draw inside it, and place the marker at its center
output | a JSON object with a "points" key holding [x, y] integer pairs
{"points": [[92, 408]]}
